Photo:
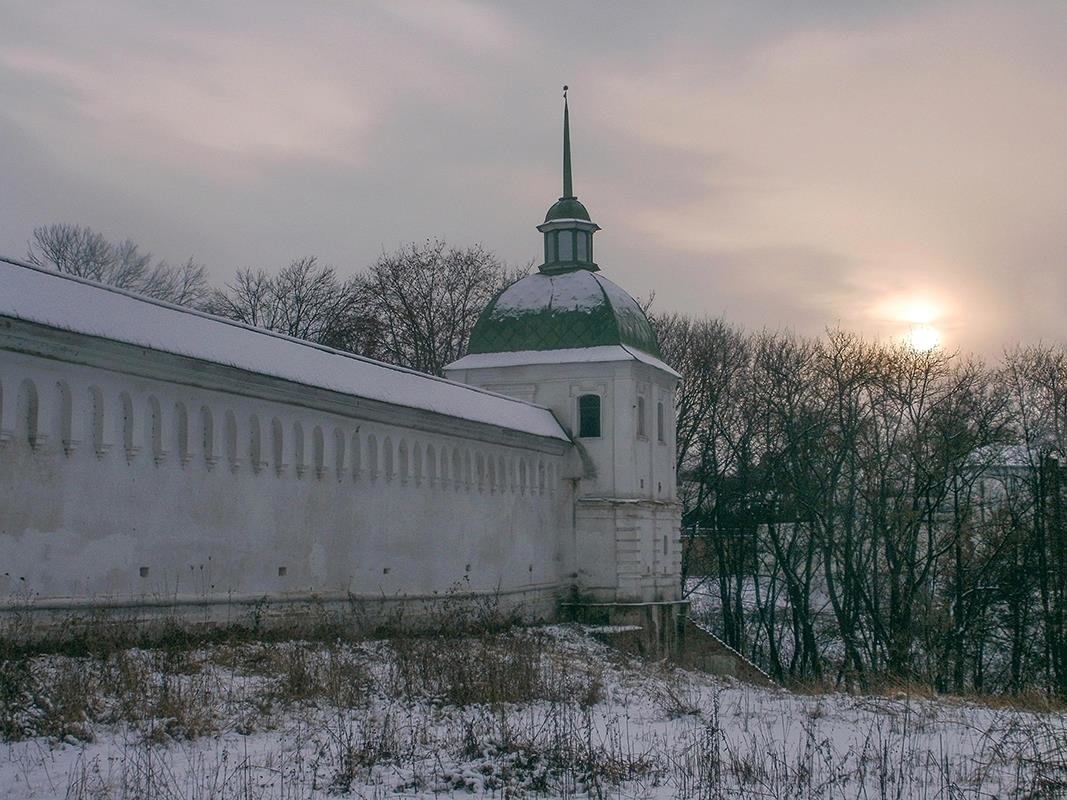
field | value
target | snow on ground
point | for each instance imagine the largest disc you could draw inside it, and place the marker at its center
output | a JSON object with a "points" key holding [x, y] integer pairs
{"points": [[545, 712]]}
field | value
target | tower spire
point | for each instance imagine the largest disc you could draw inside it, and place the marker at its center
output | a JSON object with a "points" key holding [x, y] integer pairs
{"points": [[568, 187], [567, 228]]}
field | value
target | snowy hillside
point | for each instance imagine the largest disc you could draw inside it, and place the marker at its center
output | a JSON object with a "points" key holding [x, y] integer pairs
{"points": [[539, 712]]}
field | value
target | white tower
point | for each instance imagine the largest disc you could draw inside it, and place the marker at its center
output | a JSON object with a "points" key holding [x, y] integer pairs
{"points": [[568, 338]]}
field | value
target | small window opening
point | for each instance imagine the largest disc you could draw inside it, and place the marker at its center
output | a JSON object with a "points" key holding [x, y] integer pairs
{"points": [[589, 416], [641, 427], [661, 425]]}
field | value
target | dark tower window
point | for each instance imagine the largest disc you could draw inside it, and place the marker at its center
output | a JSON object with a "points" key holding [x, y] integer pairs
{"points": [[641, 432], [661, 426], [589, 416]]}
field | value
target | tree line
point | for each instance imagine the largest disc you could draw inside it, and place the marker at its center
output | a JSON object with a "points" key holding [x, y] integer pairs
{"points": [[855, 512], [415, 307], [861, 513]]}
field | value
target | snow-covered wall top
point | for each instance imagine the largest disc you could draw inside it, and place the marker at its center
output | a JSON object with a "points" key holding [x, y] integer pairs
{"points": [[73, 304], [573, 355]]}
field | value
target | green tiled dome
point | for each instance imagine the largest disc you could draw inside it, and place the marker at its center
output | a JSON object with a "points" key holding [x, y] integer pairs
{"points": [[567, 208], [562, 310]]}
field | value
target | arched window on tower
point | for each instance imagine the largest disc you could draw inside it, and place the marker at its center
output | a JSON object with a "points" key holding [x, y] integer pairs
{"points": [[661, 424], [642, 426], [589, 416]]}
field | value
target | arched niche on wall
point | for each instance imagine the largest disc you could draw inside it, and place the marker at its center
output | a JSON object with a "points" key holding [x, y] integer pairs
{"points": [[431, 464], [99, 431], [445, 472], [318, 450], [6, 431], [154, 430], [457, 467], [356, 456], [388, 458], [403, 463], [128, 426], [277, 446], [339, 452], [27, 407], [299, 464], [233, 455], [207, 436], [65, 421], [181, 432], [372, 456], [255, 444]]}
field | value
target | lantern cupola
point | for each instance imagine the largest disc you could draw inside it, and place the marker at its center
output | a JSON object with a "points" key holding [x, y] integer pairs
{"points": [[567, 229]]}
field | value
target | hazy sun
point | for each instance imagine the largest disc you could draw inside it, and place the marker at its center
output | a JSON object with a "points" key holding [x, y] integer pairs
{"points": [[918, 316], [922, 338], [918, 311]]}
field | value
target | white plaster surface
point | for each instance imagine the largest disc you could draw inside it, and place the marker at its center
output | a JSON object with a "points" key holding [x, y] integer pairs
{"points": [[176, 494]]}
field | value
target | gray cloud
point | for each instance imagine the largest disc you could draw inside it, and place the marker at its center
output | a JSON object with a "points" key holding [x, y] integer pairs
{"points": [[783, 167]]}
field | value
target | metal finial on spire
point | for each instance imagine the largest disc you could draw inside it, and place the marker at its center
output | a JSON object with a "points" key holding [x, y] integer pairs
{"points": [[568, 188]]}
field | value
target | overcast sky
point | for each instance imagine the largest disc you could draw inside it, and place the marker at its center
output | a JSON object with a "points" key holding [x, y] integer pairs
{"points": [[781, 164]]}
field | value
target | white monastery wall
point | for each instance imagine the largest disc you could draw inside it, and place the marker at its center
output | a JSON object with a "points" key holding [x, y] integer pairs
{"points": [[135, 478]]}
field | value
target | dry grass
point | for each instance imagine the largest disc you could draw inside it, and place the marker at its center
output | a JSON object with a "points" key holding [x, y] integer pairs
{"points": [[673, 692], [336, 676], [513, 667], [514, 712], [1036, 702], [144, 689]]}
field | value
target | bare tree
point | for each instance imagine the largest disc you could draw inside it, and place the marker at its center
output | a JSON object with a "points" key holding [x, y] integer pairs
{"points": [[83, 252], [1038, 380], [305, 300], [426, 298], [185, 284], [842, 508]]}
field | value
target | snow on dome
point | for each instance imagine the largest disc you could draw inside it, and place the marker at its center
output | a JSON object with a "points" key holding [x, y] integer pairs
{"points": [[572, 291], [80, 306], [553, 311]]}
